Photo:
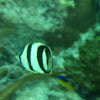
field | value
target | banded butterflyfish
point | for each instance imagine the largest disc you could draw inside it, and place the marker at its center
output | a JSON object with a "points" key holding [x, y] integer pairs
{"points": [[37, 57]]}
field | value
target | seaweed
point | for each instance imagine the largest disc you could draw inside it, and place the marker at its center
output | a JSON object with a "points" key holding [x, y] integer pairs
{"points": [[7, 92], [87, 67], [78, 20]]}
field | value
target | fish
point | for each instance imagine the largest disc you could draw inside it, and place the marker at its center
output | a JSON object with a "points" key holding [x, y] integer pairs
{"points": [[37, 57], [64, 82]]}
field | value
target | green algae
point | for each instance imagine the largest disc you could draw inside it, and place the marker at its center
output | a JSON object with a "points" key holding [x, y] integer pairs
{"points": [[75, 22], [87, 67]]}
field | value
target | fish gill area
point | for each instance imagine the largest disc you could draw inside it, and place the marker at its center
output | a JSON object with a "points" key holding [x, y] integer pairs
{"points": [[71, 28]]}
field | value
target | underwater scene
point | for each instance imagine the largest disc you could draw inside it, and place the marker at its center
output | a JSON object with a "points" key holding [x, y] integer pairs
{"points": [[49, 49]]}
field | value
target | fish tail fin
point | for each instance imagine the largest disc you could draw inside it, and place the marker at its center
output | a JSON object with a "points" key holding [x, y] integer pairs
{"points": [[17, 57], [68, 86]]}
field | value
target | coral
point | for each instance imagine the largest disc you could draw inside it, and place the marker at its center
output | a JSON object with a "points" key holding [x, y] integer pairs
{"points": [[7, 92], [57, 22], [85, 70], [67, 3], [78, 20], [6, 57], [28, 21], [38, 15], [3, 74], [6, 27]]}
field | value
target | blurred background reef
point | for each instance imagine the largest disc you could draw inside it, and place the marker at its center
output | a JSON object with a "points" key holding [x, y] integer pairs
{"points": [[71, 28]]}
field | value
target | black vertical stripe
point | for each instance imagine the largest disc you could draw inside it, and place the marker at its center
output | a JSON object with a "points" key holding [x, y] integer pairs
{"points": [[39, 57], [20, 56], [48, 54], [29, 56]]}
